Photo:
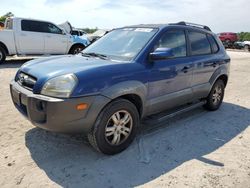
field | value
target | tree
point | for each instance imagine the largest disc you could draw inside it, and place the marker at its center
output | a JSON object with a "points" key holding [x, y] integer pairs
{"points": [[244, 36], [90, 30], [7, 15]]}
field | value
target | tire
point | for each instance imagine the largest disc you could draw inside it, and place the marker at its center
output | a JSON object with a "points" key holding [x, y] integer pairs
{"points": [[76, 49], [103, 136], [2, 55], [247, 48], [216, 95]]}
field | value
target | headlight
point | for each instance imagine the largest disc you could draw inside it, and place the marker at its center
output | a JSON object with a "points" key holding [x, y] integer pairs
{"points": [[61, 86]]}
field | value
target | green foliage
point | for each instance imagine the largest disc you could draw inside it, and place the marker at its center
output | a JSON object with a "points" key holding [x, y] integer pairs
{"points": [[3, 18], [90, 30], [244, 36]]}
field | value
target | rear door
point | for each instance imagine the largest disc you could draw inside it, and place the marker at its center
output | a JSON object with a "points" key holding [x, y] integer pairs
{"points": [[56, 41], [204, 60], [170, 79], [30, 38]]}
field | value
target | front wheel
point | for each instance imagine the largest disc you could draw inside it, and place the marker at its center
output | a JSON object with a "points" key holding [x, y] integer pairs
{"points": [[76, 49], [115, 127], [2, 55], [215, 96]]}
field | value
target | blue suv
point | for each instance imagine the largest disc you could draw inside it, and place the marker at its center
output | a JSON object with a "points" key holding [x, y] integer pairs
{"points": [[129, 75]]}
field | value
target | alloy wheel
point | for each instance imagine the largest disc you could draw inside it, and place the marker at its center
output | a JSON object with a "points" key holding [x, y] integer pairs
{"points": [[119, 127], [217, 94]]}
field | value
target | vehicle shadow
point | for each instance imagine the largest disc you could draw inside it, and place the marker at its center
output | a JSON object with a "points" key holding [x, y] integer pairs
{"points": [[157, 149], [13, 63]]}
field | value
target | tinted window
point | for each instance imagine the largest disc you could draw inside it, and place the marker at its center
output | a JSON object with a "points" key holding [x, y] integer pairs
{"points": [[175, 40], [51, 28], [213, 43], [34, 26], [37, 26], [199, 43]]}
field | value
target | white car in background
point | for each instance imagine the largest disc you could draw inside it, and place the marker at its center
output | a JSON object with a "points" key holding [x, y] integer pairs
{"points": [[247, 45], [23, 36]]}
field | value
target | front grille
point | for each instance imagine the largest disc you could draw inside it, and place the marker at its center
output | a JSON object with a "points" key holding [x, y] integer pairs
{"points": [[26, 80]]}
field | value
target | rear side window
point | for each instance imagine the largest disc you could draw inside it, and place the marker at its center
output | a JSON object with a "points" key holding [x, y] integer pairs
{"points": [[213, 43], [175, 40], [199, 43], [29, 25]]}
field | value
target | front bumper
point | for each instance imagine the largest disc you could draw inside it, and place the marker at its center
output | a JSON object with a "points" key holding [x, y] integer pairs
{"points": [[59, 115]]}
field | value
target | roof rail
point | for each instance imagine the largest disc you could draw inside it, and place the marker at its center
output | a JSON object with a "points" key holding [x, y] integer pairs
{"points": [[193, 25]]}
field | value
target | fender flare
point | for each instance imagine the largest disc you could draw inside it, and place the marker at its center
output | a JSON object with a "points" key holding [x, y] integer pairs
{"points": [[222, 70], [127, 88]]}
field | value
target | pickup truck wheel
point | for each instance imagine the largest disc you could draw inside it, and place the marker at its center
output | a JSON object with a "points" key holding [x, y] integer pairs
{"points": [[115, 127], [2, 55], [215, 96], [76, 49]]}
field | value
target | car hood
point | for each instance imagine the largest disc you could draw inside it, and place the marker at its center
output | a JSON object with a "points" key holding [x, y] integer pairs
{"points": [[66, 26], [94, 74], [46, 68]]}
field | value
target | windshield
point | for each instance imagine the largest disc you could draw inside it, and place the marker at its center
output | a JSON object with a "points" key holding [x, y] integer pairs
{"points": [[122, 44]]}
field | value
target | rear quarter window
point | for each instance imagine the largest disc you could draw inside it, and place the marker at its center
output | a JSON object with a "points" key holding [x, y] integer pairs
{"points": [[199, 43], [213, 43]]}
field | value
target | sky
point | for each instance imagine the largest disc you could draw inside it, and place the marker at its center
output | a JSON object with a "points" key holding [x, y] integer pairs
{"points": [[219, 15]]}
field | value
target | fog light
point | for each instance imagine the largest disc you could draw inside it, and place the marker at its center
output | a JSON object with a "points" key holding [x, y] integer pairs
{"points": [[82, 106]]}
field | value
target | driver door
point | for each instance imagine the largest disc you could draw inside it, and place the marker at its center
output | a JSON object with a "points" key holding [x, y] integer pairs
{"points": [[56, 42], [170, 79]]}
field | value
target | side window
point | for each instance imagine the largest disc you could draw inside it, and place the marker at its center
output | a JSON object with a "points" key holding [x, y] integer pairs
{"points": [[51, 28], [175, 40], [199, 43], [29, 25], [213, 43]]}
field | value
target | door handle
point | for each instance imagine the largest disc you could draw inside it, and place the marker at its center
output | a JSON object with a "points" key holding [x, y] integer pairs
{"points": [[185, 69], [48, 36]]}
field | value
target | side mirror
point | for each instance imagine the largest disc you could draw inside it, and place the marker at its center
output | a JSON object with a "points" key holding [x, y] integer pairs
{"points": [[161, 54]]}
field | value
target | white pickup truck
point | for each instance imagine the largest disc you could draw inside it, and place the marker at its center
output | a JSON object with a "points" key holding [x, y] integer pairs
{"points": [[22, 36]]}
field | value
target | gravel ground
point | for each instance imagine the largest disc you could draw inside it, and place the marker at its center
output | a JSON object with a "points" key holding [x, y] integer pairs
{"points": [[196, 149]]}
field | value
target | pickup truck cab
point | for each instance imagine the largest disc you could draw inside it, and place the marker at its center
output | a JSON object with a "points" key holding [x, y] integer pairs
{"points": [[23, 36], [129, 75]]}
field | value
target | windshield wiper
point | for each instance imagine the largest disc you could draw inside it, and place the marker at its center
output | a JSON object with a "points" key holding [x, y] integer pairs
{"points": [[92, 54]]}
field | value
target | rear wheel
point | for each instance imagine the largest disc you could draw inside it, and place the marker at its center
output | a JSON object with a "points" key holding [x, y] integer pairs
{"points": [[115, 127], [215, 96], [2, 55]]}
